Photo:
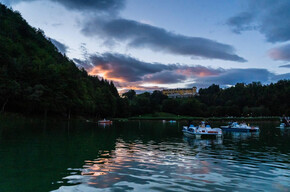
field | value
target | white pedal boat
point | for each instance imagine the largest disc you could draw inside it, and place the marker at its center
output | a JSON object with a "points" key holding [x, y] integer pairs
{"points": [[199, 131], [240, 127]]}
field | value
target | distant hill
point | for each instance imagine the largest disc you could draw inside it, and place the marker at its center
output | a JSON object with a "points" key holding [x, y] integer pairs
{"points": [[36, 78]]}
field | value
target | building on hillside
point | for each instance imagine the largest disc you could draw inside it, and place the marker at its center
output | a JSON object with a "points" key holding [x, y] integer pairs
{"points": [[180, 93]]}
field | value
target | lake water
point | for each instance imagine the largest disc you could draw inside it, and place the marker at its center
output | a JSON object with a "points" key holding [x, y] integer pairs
{"points": [[37, 155]]}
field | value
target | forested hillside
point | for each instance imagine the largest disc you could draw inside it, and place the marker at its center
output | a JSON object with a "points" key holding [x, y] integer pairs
{"points": [[36, 78]]}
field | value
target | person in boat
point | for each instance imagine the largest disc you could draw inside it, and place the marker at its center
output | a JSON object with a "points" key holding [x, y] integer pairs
{"points": [[285, 121], [202, 124], [207, 123], [188, 123]]}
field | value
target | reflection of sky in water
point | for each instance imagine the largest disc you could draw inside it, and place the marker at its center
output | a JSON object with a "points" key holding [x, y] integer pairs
{"points": [[182, 165]]}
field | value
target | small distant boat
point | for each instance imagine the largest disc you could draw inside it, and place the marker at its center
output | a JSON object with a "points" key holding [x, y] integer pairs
{"points": [[240, 127], [105, 121], [201, 130]]}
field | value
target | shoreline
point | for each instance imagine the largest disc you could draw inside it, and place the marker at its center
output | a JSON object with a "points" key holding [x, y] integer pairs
{"points": [[182, 118], [166, 117]]}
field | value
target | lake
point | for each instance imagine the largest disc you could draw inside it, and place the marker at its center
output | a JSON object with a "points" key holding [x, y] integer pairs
{"points": [[54, 155]]}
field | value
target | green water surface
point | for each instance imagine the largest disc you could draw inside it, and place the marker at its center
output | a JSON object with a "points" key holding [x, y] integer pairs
{"points": [[54, 155]]}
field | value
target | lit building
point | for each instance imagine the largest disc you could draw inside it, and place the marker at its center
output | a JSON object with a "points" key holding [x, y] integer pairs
{"points": [[180, 93]]}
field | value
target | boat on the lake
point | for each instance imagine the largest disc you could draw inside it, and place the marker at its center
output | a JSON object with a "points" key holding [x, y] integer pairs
{"points": [[202, 130], [285, 122], [105, 121], [235, 126]]}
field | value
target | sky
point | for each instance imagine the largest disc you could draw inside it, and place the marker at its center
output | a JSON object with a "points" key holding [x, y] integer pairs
{"points": [[155, 44]]}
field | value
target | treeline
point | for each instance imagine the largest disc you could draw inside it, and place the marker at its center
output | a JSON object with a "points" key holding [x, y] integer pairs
{"points": [[252, 99], [36, 79]]}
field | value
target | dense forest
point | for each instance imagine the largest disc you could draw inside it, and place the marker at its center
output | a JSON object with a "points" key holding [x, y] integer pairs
{"points": [[253, 99], [37, 79]]}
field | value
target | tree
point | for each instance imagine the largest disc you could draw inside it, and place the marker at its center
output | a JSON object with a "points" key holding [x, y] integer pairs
{"points": [[129, 94], [8, 89]]}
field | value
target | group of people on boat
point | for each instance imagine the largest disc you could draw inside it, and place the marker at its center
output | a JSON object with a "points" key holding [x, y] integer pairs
{"points": [[286, 121], [203, 129], [235, 124], [202, 124]]}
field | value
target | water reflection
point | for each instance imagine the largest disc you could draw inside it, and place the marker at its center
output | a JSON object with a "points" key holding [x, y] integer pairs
{"points": [[242, 135], [139, 156], [285, 131], [104, 125], [203, 142], [141, 166], [183, 165]]}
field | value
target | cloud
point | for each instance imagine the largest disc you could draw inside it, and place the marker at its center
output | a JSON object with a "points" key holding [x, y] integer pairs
{"points": [[103, 21], [281, 76], [60, 46], [124, 69], [270, 18], [121, 67], [130, 73], [87, 5], [280, 53], [181, 73], [141, 35], [285, 66], [241, 22], [232, 76], [165, 77], [199, 71], [92, 5]]}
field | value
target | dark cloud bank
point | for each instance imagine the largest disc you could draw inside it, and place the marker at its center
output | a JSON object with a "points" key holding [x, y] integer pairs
{"points": [[140, 35], [102, 20], [285, 66], [269, 17], [134, 71], [84, 5]]}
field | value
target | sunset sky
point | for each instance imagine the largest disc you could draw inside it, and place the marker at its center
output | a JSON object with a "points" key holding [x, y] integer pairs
{"points": [[151, 44]]}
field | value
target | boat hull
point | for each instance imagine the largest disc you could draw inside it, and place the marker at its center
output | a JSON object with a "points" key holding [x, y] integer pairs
{"points": [[283, 127], [105, 122], [198, 135], [239, 129]]}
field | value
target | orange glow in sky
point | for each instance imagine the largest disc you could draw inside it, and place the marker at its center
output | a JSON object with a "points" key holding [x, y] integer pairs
{"points": [[105, 73]]}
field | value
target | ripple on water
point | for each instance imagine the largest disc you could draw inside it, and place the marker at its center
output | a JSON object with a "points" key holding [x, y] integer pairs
{"points": [[196, 165]]}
